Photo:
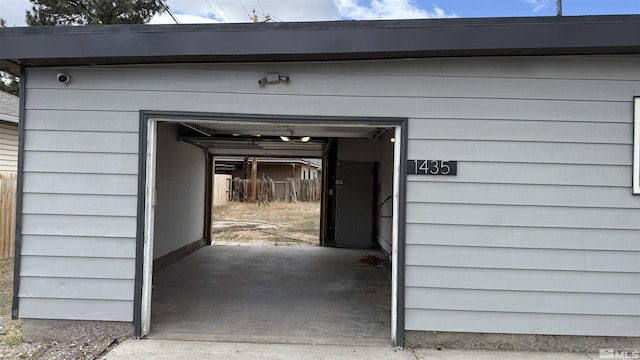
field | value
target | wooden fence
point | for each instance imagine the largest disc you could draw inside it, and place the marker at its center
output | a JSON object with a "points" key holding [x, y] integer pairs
{"points": [[221, 189], [7, 215], [290, 190]]}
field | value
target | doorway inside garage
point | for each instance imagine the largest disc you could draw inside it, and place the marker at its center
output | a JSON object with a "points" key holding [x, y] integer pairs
{"points": [[266, 201], [332, 293]]}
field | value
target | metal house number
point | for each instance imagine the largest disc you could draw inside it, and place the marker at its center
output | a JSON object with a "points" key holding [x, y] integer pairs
{"points": [[432, 167]]}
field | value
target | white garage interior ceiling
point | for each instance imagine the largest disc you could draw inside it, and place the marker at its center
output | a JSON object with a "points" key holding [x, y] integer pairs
{"points": [[246, 138]]}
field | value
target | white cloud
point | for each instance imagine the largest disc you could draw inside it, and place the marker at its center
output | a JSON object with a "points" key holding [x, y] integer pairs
{"points": [[165, 18], [208, 11], [242, 10], [539, 4], [387, 9]]}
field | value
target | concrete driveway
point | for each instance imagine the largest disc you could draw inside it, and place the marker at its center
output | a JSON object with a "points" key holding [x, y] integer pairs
{"points": [[189, 350]]}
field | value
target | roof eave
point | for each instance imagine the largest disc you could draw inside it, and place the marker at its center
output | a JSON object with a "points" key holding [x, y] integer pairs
{"points": [[320, 41]]}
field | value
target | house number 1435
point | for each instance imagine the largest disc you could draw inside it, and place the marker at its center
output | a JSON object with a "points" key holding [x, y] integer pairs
{"points": [[432, 167]]}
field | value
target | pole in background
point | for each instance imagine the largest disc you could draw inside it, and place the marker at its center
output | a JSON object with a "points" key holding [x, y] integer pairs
{"points": [[558, 7]]}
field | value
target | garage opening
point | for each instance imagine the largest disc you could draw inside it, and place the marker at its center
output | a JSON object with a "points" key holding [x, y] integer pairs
{"points": [[342, 291], [266, 201]]}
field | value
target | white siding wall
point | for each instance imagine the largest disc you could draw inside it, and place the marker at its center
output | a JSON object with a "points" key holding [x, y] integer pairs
{"points": [[8, 147], [180, 186], [537, 234]]}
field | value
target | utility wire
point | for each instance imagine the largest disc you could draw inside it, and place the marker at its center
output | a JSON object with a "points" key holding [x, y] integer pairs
{"points": [[215, 11], [261, 8], [224, 11], [245, 10], [166, 7]]}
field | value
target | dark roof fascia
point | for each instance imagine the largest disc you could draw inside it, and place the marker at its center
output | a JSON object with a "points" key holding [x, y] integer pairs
{"points": [[317, 41]]}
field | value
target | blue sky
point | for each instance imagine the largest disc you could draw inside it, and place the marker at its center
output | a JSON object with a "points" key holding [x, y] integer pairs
{"points": [[493, 8], [190, 11]]}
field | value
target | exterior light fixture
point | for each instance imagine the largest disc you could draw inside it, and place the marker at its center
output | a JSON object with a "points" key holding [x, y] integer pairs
{"points": [[273, 78], [284, 138], [305, 139]]}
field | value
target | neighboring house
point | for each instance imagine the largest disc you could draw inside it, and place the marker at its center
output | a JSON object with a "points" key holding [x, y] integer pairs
{"points": [[9, 105], [494, 160], [277, 169]]}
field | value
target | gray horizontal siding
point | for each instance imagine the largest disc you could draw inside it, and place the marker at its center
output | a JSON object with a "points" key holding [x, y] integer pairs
{"points": [[82, 141], [544, 142], [357, 82], [78, 246], [78, 183], [521, 194], [522, 323], [84, 163], [524, 302], [78, 225], [534, 216], [77, 267], [436, 277], [523, 130], [537, 174], [77, 309], [523, 258], [528, 152], [95, 121], [79, 215], [523, 237], [74, 288], [67, 204]]}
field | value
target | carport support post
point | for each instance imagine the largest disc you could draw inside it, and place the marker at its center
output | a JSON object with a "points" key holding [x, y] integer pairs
{"points": [[254, 179]]}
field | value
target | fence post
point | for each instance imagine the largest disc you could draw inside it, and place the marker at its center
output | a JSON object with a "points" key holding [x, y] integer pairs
{"points": [[8, 186]]}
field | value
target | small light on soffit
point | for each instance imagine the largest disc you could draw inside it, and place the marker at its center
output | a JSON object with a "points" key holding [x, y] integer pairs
{"points": [[305, 139], [284, 138], [392, 139], [236, 135]]}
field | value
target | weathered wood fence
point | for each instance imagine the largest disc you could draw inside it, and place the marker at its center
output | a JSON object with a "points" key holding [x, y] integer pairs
{"points": [[8, 184], [289, 190], [221, 189]]}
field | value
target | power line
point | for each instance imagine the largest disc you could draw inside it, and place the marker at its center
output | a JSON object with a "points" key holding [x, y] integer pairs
{"points": [[245, 10], [166, 7], [224, 11], [215, 11], [261, 8]]}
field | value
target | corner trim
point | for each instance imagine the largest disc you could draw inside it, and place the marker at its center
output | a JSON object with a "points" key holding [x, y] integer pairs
{"points": [[402, 225], [140, 223], [15, 306]]}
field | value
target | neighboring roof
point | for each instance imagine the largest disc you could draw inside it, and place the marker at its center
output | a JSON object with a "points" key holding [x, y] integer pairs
{"points": [[9, 107], [336, 40]]}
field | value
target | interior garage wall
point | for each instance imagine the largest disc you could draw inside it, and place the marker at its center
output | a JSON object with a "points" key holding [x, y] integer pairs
{"points": [[537, 234], [180, 192], [385, 192], [380, 150]]}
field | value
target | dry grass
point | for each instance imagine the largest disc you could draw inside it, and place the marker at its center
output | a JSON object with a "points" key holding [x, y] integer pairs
{"points": [[294, 217], [10, 330], [293, 223]]}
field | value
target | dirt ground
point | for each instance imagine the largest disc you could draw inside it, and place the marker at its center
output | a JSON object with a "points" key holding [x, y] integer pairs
{"points": [[279, 224], [12, 345]]}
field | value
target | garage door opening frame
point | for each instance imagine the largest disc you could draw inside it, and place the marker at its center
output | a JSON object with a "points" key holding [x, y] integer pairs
{"points": [[146, 182]]}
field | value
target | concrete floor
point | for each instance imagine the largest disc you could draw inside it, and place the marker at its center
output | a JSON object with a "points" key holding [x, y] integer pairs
{"points": [[311, 295]]}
